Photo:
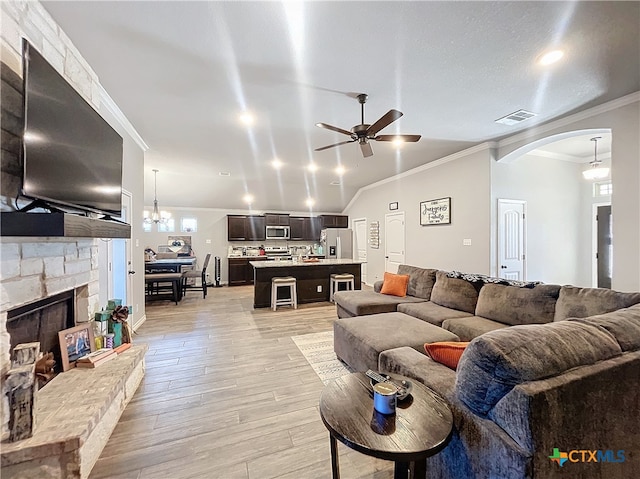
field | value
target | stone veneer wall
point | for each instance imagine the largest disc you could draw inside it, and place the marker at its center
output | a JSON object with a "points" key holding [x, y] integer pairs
{"points": [[33, 268]]}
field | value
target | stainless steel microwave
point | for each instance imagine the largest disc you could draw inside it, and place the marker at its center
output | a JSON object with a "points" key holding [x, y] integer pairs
{"points": [[277, 232]]}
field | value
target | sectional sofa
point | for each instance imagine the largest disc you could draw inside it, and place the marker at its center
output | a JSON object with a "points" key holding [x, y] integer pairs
{"points": [[548, 368]]}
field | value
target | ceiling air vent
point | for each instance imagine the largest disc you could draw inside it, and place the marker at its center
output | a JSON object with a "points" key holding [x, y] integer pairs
{"points": [[224, 173], [335, 183], [516, 117]]}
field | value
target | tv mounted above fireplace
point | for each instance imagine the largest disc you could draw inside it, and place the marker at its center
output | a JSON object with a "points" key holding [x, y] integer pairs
{"points": [[72, 157]]}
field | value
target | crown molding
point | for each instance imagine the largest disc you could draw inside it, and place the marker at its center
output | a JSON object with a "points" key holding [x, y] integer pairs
{"points": [[488, 145], [107, 101]]}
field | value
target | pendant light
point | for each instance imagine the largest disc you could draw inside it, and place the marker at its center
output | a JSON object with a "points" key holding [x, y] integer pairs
{"points": [[156, 215], [596, 171]]}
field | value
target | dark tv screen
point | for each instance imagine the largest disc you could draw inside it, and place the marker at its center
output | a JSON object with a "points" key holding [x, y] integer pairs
{"points": [[71, 155]]}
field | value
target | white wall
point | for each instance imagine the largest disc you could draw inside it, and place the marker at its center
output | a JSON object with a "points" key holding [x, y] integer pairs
{"points": [[558, 250], [465, 177], [622, 116]]}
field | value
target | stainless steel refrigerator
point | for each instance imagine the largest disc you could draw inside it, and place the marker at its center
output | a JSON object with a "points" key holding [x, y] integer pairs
{"points": [[337, 243]]}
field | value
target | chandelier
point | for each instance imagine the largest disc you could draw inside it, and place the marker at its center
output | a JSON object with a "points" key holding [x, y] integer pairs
{"points": [[156, 215], [596, 171]]}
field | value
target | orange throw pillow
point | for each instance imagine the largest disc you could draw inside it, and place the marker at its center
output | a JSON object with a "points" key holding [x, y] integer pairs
{"points": [[395, 284], [446, 352]]}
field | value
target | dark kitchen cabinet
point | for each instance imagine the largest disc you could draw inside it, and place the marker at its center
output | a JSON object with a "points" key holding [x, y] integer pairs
{"points": [[334, 221], [255, 228], [313, 227], [236, 230], [277, 219], [240, 271], [297, 228], [245, 228]]}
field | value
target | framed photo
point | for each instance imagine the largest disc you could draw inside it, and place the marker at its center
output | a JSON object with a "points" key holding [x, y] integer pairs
{"points": [[393, 206], [75, 343], [435, 212]]}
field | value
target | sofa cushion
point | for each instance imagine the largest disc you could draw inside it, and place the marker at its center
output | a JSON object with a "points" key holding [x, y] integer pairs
{"points": [[471, 326], [576, 302], [497, 361], [446, 352], [360, 302], [395, 284], [421, 280], [431, 312], [358, 341], [454, 293], [515, 305], [623, 325]]}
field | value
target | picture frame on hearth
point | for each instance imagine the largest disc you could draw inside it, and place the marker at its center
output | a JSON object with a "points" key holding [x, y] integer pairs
{"points": [[435, 212], [74, 343]]}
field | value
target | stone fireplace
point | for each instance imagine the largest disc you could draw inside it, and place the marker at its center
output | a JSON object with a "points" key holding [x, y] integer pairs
{"points": [[35, 273]]}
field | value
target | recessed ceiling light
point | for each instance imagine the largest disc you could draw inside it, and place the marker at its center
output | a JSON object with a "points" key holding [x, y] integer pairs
{"points": [[310, 202], [340, 170], [247, 118], [276, 163], [248, 198], [224, 173], [550, 57], [312, 167]]}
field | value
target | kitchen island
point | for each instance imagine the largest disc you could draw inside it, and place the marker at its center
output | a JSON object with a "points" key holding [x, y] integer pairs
{"points": [[312, 278]]}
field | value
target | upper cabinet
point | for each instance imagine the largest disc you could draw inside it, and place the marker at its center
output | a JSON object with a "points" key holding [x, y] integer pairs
{"points": [[301, 228], [334, 221], [277, 219], [245, 228]]}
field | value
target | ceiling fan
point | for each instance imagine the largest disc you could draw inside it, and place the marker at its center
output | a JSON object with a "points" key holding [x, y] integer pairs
{"points": [[364, 132]]}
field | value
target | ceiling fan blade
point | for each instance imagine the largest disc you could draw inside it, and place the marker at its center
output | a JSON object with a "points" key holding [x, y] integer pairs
{"points": [[384, 121], [404, 138], [366, 149], [335, 144], [334, 128]]}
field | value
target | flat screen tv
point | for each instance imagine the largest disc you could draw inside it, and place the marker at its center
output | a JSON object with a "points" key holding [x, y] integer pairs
{"points": [[71, 155]]}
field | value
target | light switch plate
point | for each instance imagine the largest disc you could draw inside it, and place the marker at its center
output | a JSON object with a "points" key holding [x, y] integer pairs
{"points": [[319, 289], [466, 242], [208, 241]]}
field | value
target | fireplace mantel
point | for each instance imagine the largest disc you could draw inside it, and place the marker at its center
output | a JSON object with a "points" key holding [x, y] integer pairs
{"points": [[31, 224]]}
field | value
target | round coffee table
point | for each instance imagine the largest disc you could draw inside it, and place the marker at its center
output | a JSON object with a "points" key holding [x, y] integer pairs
{"points": [[420, 428]]}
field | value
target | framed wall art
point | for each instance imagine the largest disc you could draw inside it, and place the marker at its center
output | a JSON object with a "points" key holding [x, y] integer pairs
{"points": [[435, 212]]}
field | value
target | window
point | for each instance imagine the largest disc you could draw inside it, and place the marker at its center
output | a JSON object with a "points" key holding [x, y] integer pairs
{"points": [[602, 189], [189, 225], [146, 227], [168, 227]]}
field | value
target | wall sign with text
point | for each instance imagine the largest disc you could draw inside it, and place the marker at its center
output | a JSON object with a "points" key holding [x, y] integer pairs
{"points": [[435, 212]]}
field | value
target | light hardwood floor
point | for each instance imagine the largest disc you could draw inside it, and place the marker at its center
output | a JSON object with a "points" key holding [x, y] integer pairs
{"points": [[227, 394]]}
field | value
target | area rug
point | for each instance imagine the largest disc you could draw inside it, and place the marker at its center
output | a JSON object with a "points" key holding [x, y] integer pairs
{"points": [[317, 348]]}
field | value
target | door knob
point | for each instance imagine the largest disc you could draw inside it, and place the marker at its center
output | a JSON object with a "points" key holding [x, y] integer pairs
{"points": [[131, 272], [503, 267]]}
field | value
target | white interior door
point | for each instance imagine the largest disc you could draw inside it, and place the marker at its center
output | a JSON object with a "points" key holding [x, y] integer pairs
{"points": [[115, 257], [393, 241], [360, 229], [511, 239]]}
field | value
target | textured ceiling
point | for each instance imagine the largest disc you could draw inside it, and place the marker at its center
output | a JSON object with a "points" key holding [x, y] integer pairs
{"points": [[182, 72]]}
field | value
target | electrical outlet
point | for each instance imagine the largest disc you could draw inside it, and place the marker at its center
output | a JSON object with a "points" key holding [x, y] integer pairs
{"points": [[319, 288], [466, 242]]}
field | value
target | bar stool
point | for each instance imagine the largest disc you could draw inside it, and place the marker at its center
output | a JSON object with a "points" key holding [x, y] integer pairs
{"points": [[286, 281], [337, 280]]}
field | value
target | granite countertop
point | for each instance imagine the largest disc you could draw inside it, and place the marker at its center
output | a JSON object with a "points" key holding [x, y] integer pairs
{"points": [[322, 262], [231, 256]]}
